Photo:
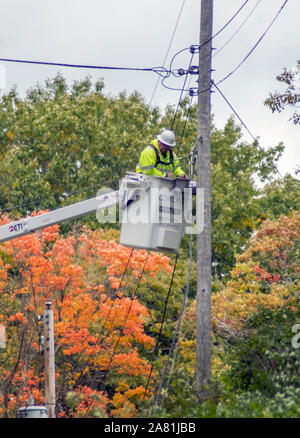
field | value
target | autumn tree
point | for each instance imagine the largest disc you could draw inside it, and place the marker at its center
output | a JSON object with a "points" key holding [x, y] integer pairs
{"points": [[254, 363], [61, 144], [100, 338]]}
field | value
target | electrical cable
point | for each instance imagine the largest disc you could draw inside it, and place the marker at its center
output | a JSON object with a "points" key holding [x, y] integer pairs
{"points": [[181, 94], [37, 202], [247, 129], [217, 33], [185, 124], [168, 50], [159, 70], [193, 48], [225, 25], [177, 330], [126, 318], [162, 323], [255, 45], [117, 343], [183, 307], [99, 340], [238, 29]]}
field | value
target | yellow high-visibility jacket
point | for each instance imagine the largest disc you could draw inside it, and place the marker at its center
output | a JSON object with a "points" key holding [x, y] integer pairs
{"points": [[152, 162]]}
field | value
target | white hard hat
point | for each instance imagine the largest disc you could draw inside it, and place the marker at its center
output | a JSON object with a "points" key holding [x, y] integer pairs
{"points": [[167, 137]]}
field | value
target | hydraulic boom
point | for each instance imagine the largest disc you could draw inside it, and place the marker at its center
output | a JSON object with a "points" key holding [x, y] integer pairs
{"points": [[30, 224]]}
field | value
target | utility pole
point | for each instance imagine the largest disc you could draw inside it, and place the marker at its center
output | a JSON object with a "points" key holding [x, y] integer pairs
{"points": [[203, 307], [49, 360]]}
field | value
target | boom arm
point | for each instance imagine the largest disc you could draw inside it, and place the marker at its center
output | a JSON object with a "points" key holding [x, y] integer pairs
{"points": [[30, 224]]}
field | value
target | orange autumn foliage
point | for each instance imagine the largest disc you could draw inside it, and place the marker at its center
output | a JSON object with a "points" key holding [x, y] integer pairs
{"points": [[266, 275], [99, 324]]}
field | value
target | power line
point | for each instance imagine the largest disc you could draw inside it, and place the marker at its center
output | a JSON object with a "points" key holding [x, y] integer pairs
{"points": [[37, 202], [100, 339], [240, 64], [162, 323], [185, 124], [226, 100], [172, 37], [126, 318], [159, 70], [225, 25], [256, 44], [193, 50], [181, 94], [247, 129], [177, 333], [237, 30]]}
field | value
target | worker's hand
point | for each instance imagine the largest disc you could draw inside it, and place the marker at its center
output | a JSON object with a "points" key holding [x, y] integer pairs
{"points": [[170, 175], [183, 176]]}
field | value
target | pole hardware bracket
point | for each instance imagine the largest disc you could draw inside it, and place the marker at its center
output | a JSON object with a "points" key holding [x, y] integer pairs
{"points": [[193, 70], [195, 48], [193, 92]]}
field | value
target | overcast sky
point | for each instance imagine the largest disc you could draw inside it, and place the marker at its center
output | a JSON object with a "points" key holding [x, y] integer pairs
{"points": [[138, 33]]}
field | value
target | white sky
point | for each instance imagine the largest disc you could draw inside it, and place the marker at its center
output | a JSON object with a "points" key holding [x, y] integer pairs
{"points": [[137, 33]]}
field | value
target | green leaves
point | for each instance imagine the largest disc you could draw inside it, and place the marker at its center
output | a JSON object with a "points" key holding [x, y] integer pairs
{"points": [[59, 141], [61, 144]]}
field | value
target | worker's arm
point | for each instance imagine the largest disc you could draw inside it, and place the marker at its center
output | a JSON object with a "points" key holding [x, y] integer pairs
{"points": [[177, 171], [147, 163]]}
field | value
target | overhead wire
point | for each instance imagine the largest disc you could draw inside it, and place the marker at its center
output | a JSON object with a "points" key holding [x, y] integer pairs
{"points": [[185, 124], [225, 25], [197, 47], [103, 378], [244, 125], [158, 70], [125, 321], [162, 71], [161, 325], [181, 94], [100, 339], [237, 30], [255, 45], [36, 203], [217, 33], [168, 50], [176, 335]]}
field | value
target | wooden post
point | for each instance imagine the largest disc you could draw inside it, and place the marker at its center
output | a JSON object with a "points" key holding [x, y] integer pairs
{"points": [[2, 336], [203, 307], [49, 360]]}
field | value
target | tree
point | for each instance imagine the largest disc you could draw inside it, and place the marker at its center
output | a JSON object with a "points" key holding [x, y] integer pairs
{"points": [[99, 322], [58, 142], [254, 364], [279, 102], [279, 197], [61, 144]]}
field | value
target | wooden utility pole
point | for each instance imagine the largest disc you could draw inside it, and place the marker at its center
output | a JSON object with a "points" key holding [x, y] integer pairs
{"points": [[203, 321], [49, 360]]}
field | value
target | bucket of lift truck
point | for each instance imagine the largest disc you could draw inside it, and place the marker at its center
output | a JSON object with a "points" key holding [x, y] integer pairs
{"points": [[152, 211]]}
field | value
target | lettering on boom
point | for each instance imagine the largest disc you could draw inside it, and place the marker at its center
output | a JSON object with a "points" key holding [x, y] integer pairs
{"points": [[16, 227]]}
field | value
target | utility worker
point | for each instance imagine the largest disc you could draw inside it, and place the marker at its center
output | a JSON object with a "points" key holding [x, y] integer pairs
{"points": [[158, 158]]}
